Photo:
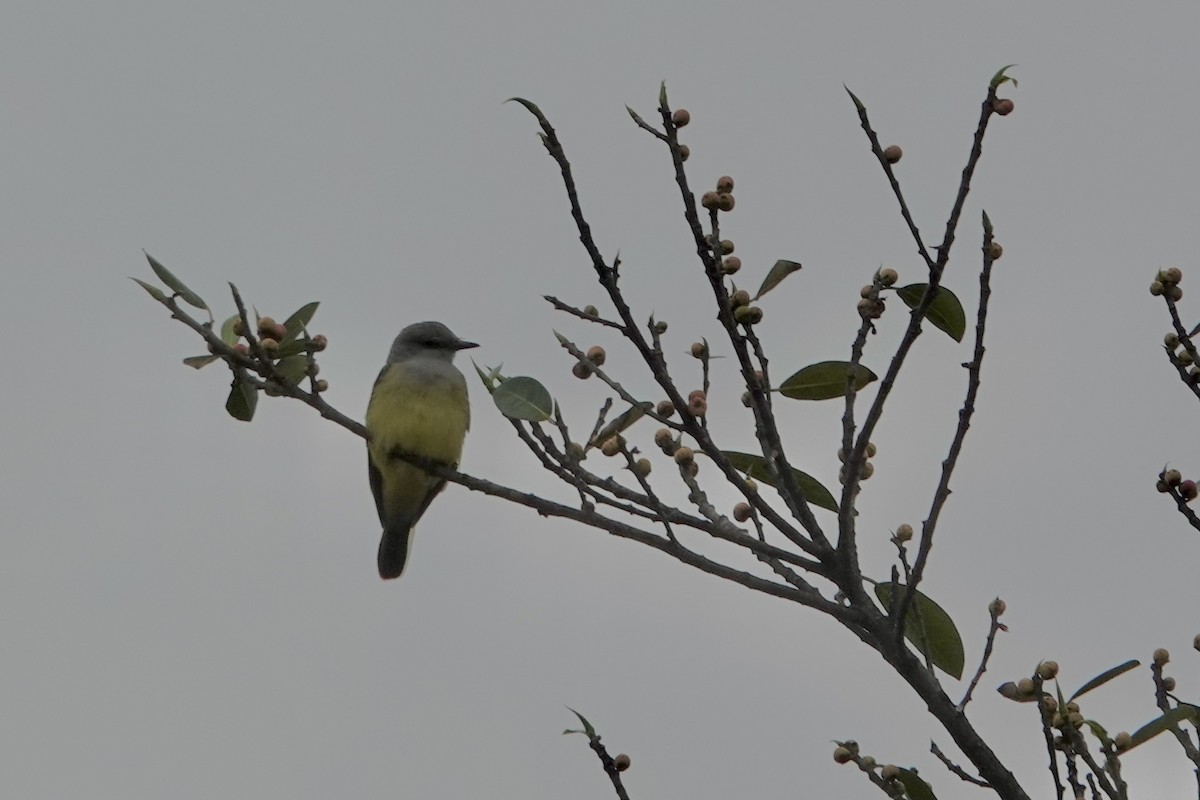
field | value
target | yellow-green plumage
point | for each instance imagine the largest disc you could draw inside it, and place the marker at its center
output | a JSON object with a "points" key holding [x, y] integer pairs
{"points": [[419, 405]]}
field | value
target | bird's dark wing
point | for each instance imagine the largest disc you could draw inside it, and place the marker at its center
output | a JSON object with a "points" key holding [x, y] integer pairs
{"points": [[376, 486]]}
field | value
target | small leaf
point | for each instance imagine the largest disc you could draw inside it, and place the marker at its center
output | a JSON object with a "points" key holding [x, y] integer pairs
{"points": [[1106, 676], [176, 285], [587, 726], [1000, 78], [292, 348], [781, 270], [489, 381], [1168, 720], [753, 466], [299, 321], [227, 334], [530, 107], [154, 291], [915, 786], [662, 94], [946, 312], [825, 380], [621, 423], [293, 368], [945, 644], [242, 400], [1097, 729], [196, 362], [523, 398], [857, 103]]}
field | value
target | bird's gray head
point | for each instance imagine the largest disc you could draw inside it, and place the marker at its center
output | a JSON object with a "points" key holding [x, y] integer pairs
{"points": [[426, 340]]}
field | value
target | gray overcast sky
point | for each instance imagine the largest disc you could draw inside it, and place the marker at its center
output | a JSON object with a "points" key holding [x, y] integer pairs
{"points": [[188, 605]]}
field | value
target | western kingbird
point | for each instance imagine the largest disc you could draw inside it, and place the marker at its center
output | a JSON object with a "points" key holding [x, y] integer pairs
{"points": [[419, 406]]}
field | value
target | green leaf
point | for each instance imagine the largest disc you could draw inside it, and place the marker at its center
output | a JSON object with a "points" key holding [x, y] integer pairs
{"points": [[242, 400], [915, 786], [1106, 676], [825, 380], [587, 726], [946, 312], [154, 291], [662, 94], [781, 270], [1181, 713], [1097, 729], [176, 285], [530, 107], [491, 377], [621, 423], [293, 368], [298, 321], [523, 398], [227, 334], [1000, 78], [945, 644], [196, 362], [292, 348], [753, 466]]}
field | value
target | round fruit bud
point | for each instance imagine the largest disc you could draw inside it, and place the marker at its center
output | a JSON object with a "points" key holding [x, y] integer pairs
{"points": [[699, 350], [888, 276], [575, 451], [868, 470], [238, 328], [741, 512], [681, 117], [590, 311], [1196, 642], [663, 437], [866, 307], [1123, 741], [1047, 670], [266, 325], [581, 371], [621, 762], [731, 265], [1050, 704], [1025, 687], [871, 450], [997, 607], [747, 399], [1187, 490], [1171, 340], [1009, 689], [1073, 707], [709, 200], [1002, 106], [739, 298], [696, 393], [743, 315], [892, 153], [904, 532], [685, 152], [866, 291], [1161, 656], [1161, 487], [1172, 477], [642, 467], [279, 332], [889, 772], [596, 355], [1168, 684], [842, 754], [995, 251], [756, 315], [1175, 293], [725, 201], [611, 446], [270, 346], [1184, 357], [1076, 719], [242, 348], [684, 455], [752, 484], [660, 327], [665, 408], [1173, 275], [867, 763], [726, 246], [322, 385], [1156, 288], [319, 342], [725, 184], [698, 407]]}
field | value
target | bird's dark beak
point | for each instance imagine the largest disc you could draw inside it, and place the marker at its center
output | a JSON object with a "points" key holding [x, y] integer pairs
{"points": [[465, 345]]}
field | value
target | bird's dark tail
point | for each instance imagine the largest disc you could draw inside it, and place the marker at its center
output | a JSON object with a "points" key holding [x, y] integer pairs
{"points": [[393, 550]]}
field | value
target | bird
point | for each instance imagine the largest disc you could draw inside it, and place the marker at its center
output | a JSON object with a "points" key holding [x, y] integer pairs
{"points": [[419, 405]]}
